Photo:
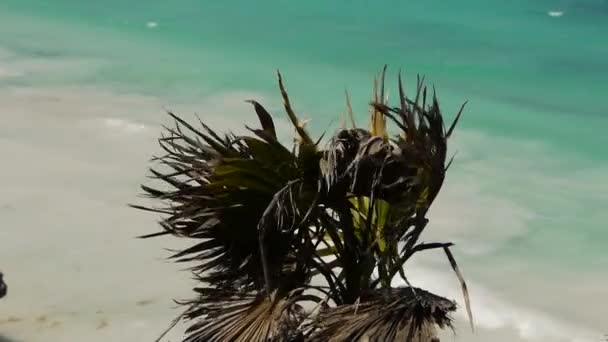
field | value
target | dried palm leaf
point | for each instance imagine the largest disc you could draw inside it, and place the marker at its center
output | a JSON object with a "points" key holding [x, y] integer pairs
{"points": [[230, 316], [401, 314]]}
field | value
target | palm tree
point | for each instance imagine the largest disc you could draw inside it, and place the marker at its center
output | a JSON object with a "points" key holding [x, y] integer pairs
{"points": [[303, 243]]}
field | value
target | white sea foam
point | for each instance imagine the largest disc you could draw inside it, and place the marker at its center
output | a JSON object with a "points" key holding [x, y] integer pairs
{"points": [[555, 14], [126, 125], [492, 313], [9, 73], [151, 24]]}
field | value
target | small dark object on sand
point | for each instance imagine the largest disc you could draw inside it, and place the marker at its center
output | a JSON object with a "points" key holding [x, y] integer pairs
{"points": [[2, 286]]}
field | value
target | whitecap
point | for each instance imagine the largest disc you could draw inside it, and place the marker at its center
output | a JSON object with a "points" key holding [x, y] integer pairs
{"points": [[152, 24], [555, 14], [124, 125]]}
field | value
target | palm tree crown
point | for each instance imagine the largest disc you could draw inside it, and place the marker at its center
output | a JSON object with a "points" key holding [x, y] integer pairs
{"points": [[276, 228]]}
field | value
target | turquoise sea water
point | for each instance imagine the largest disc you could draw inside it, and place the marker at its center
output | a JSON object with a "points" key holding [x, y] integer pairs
{"points": [[526, 199]]}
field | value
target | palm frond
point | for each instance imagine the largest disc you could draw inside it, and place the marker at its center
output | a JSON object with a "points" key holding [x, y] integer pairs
{"points": [[297, 124], [221, 315], [400, 314], [265, 119], [222, 190]]}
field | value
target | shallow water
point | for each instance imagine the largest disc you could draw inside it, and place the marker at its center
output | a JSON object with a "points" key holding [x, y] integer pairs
{"points": [[83, 88]]}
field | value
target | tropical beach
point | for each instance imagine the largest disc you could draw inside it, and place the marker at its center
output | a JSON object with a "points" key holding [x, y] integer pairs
{"points": [[85, 89]]}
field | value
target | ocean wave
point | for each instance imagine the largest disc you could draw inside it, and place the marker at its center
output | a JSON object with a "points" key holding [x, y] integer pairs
{"points": [[499, 191], [29, 67], [491, 312], [555, 13], [9, 73], [123, 124]]}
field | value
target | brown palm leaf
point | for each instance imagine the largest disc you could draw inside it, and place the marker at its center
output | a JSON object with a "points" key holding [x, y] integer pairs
{"points": [[230, 316], [399, 314]]}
